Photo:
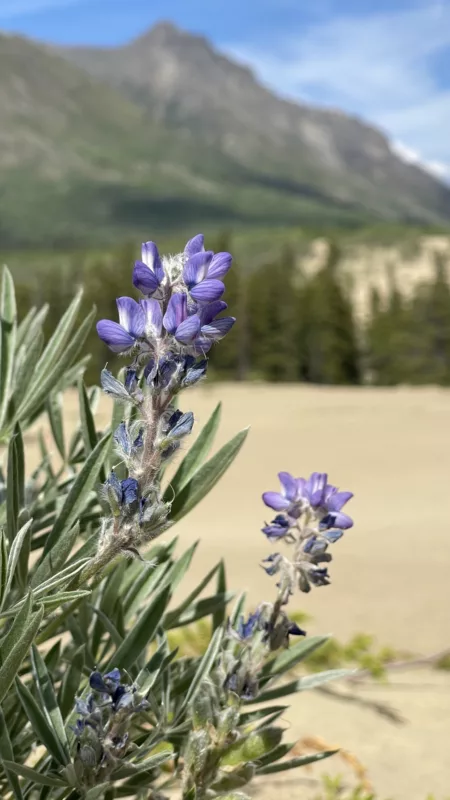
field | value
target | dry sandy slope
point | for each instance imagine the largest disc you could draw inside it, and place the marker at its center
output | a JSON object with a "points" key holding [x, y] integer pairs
{"points": [[390, 574]]}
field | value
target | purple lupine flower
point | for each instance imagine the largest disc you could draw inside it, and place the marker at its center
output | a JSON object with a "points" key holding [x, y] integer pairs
{"points": [[177, 322], [333, 502], [153, 318], [278, 528], [213, 329], [126, 492], [121, 336], [284, 500], [203, 269], [148, 274], [123, 439], [274, 561]]}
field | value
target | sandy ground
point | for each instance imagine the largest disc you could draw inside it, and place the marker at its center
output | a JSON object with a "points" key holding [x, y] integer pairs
{"points": [[390, 574]]}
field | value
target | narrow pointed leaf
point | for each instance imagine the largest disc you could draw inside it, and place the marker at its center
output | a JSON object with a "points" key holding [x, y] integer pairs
{"points": [[14, 658], [290, 658], [140, 636], [219, 615], [87, 419], [206, 477], [204, 668], [198, 610], [8, 328], [14, 554], [55, 415], [48, 698], [78, 496], [293, 763], [42, 728], [33, 775], [71, 682], [135, 767], [57, 344], [19, 625], [7, 753], [195, 456], [55, 559]]}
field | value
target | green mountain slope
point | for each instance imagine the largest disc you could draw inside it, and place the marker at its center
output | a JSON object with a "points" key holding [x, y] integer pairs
{"points": [[166, 132]]}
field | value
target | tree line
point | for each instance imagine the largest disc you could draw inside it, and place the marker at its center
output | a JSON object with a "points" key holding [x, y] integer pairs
{"points": [[290, 327]]}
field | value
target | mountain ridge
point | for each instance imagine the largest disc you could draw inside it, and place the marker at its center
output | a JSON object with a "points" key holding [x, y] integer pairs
{"points": [[168, 119]]}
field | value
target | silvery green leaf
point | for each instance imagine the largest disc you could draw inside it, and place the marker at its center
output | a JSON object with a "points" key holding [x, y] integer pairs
{"points": [[232, 796], [55, 415], [250, 717], [203, 608], [206, 477], [14, 658], [71, 681], [19, 624], [142, 633], [87, 420], [134, 767], [60, 338], [26, 360], [204, 668], [288, 659], [251, 747], [48, 698], [63, 576], [55, 559], [8, 329], [113, 387], [195, 456], [7, 754], [219, 615], [293, 763], [78, 497], [42, 728], [189, 600], [33, 775], [14, 553], [15, 482]]}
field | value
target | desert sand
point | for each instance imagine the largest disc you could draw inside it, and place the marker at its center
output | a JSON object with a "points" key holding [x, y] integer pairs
{"points": [[391, 447]]}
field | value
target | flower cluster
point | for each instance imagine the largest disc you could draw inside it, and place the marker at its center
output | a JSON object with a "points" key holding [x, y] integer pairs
{"points": [[101, 729], [310, 518], [166, 336]]}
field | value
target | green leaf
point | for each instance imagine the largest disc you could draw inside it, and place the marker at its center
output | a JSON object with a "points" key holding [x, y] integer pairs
{"points": [[219, 615], [204, 668], [14, 481], [206, 477], [55, 416], [233, 796], [60, 338], [8, 329], [48, 699], [55, 559], [6, 752], [71, 682], [250, 717], [33, 775], [290, 658], [251, 747], [134, 767], [40, 725], [28, 355], [203, 608], [78, 496], [17, 628], [14, 658], [147, 581], [142, 633], [192, 596], [179, 569], [3, 565], [293, 763], [87, 419], [14, 555], [195, 456]]}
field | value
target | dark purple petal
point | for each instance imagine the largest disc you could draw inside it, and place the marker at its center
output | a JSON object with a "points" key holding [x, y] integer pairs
{"points": [[188, 330], [153, 317], [122, 438], [211, 311], [131, 316], [196, 268], [220, 265], [151, 257], [315, 488], [130, 490], [337, 500], [97, 683], [114, 675], [207, 291], [202, 345], [195, 245], [289, 485], [278, 528], [294, 630], [218, 328], [144, 278], [114, 336], [276, 501], [176, 312]]}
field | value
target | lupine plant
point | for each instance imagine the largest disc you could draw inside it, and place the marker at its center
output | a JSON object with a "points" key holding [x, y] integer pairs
{"points": [[94, 702]]}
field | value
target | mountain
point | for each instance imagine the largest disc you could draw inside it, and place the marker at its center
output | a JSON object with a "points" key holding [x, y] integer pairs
{"points": [[167, 132]]}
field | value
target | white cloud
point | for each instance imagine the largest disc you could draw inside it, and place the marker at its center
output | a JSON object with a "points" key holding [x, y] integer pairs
{"points": [[378, 66], [16, 8]]}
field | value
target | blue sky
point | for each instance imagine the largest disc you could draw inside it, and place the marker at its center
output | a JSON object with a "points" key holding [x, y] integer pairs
{"points": [[387, 61]]}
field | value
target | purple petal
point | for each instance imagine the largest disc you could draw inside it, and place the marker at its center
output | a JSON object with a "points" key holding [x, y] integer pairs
{"points": [[276, 501], [195, 245], [153, 316], [220, 265], [176, 312], [131, 316], [211, 311], [151, 257], [342, 521], [337, 500], [196, 268], [301, 484], [188, 330], [202, 345], [114, 336], [144, 278], [207, 291], [315, 487], [289, 485], [219, 328]]}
